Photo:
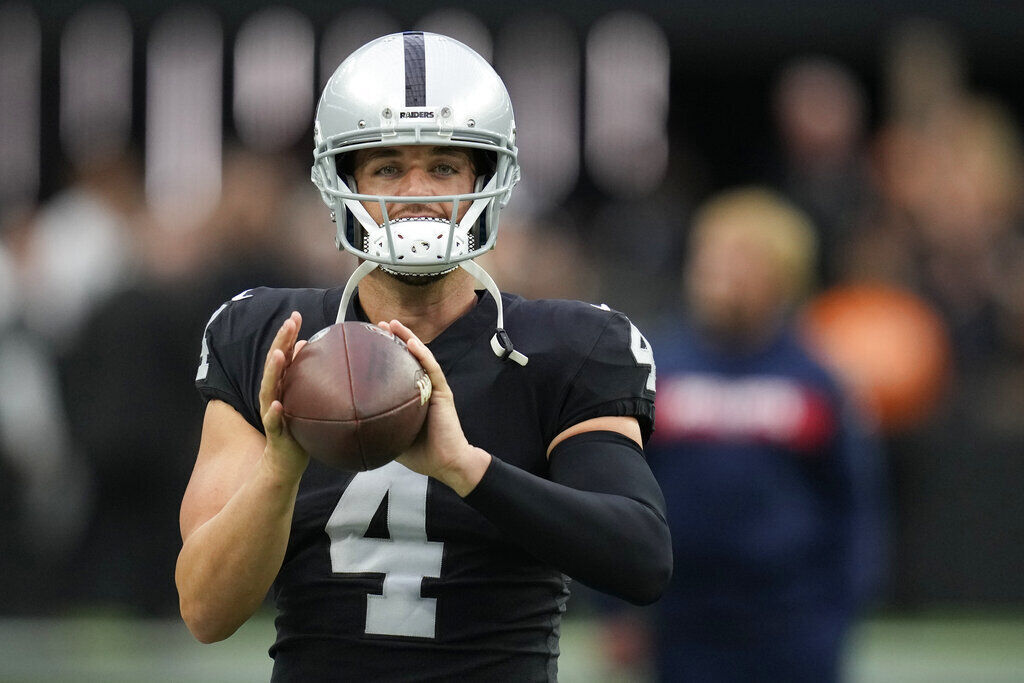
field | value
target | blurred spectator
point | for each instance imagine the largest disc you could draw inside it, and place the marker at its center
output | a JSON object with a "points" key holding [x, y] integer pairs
{"points": [[136, 359], [80, 248], [771, 479], [821, 117], [954, 184], [635, 241], [924, 70], [949, 166], [44, 488]]}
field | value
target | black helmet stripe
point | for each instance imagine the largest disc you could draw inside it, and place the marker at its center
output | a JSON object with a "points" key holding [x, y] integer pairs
{"points": [[415, 70]]}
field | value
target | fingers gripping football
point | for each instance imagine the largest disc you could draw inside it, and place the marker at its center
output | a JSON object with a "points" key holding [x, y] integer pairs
{"points": [[281, 447], [441, 449], [422, 353]]}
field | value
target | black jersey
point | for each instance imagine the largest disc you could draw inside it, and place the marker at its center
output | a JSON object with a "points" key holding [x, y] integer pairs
{"points": [[388, 574]]}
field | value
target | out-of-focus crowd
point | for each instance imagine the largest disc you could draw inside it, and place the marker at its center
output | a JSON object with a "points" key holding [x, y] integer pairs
{"points": [[103, 303], [101, 325]]}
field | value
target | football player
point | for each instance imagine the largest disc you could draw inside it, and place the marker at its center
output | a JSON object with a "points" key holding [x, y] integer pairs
{"points": [[451, 562]]}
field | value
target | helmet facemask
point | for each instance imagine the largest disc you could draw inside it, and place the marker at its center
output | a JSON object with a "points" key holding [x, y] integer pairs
{"points": [[416, 246]]}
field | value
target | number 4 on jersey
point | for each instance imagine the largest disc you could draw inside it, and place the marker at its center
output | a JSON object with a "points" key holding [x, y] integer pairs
{"points": [[643, 354], [204, 353], [405, 558]]}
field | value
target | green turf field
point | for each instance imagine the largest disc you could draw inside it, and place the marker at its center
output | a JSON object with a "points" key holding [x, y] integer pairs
{"points": [[948, 647]]}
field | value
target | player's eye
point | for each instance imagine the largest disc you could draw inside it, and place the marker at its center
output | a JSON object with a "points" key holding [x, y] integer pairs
{"points": [[386, 170], [446, 169]]}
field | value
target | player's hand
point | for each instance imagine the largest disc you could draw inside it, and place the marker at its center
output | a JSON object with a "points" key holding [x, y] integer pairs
{"points": [[441, 449], [282, 452]]}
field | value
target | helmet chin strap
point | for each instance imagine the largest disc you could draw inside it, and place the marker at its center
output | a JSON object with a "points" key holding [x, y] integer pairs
{"points": [[501, 344], [350, 287]]}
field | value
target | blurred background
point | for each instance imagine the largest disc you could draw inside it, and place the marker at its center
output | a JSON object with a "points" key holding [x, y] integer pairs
{"points": [[154, 162]]}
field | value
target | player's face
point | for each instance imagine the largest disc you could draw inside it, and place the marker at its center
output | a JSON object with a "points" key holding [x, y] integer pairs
{"points": [[414, 171]]}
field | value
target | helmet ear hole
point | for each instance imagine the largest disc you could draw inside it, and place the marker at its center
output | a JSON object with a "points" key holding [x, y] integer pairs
{"points": [[354, 231], [344, 166], [484, 163]]}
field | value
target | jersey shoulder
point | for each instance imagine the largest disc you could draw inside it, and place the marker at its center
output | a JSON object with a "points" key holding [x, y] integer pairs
{"points": [[238, 336], [597, 353], [572, 326], [252, 312]]}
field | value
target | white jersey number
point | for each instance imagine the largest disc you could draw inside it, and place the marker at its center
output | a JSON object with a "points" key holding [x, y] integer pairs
{"points": [[204, 352], [404, 559], [643, 353]]}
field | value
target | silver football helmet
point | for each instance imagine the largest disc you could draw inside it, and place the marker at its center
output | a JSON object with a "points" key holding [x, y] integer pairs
{"points": [[417, 88]]}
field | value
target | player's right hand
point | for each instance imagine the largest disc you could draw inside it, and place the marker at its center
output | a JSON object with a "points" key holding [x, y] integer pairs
{"points": [[441, 450], [282, 451]]}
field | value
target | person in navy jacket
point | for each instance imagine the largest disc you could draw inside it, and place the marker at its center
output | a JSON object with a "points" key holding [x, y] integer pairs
{"points": [[771, 477]]}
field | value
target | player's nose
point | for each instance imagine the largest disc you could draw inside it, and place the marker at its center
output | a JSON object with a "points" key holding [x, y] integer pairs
{"points": [[417, 182]]}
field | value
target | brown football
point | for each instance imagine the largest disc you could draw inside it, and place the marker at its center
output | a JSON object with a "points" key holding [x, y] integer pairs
{"points": [[354, 397]]}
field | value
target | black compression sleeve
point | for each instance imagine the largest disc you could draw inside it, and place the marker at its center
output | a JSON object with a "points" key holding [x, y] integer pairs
{"points": [[600, 518]]}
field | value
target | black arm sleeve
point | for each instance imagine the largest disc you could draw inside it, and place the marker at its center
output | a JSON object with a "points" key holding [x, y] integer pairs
{"points": [[600, 519]]}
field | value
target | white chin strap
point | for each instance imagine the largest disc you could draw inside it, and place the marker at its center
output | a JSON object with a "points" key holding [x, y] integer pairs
{"points": [[501, 344]]}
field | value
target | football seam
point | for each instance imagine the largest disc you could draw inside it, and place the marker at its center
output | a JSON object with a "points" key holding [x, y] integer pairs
{"points": [[352, 396], [357, 418]]}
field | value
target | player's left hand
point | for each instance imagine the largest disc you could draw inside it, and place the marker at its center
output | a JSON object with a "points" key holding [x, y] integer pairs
{"points": [[283, 451], [441, 450]]}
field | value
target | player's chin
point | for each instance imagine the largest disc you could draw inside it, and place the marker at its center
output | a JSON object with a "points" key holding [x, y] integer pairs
{"points": [[416, 279]]}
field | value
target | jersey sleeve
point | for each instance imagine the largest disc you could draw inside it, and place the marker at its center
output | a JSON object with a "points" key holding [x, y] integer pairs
{"points": [[233, 346], [616, 377]]}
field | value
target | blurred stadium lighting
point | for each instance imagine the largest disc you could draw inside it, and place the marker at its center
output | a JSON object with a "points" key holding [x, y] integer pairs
{"points": [[626, 142], [538, 57], [19, 104], [273, 85], [351, 30], [183, 117], [462, 26], [96, 83]]}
